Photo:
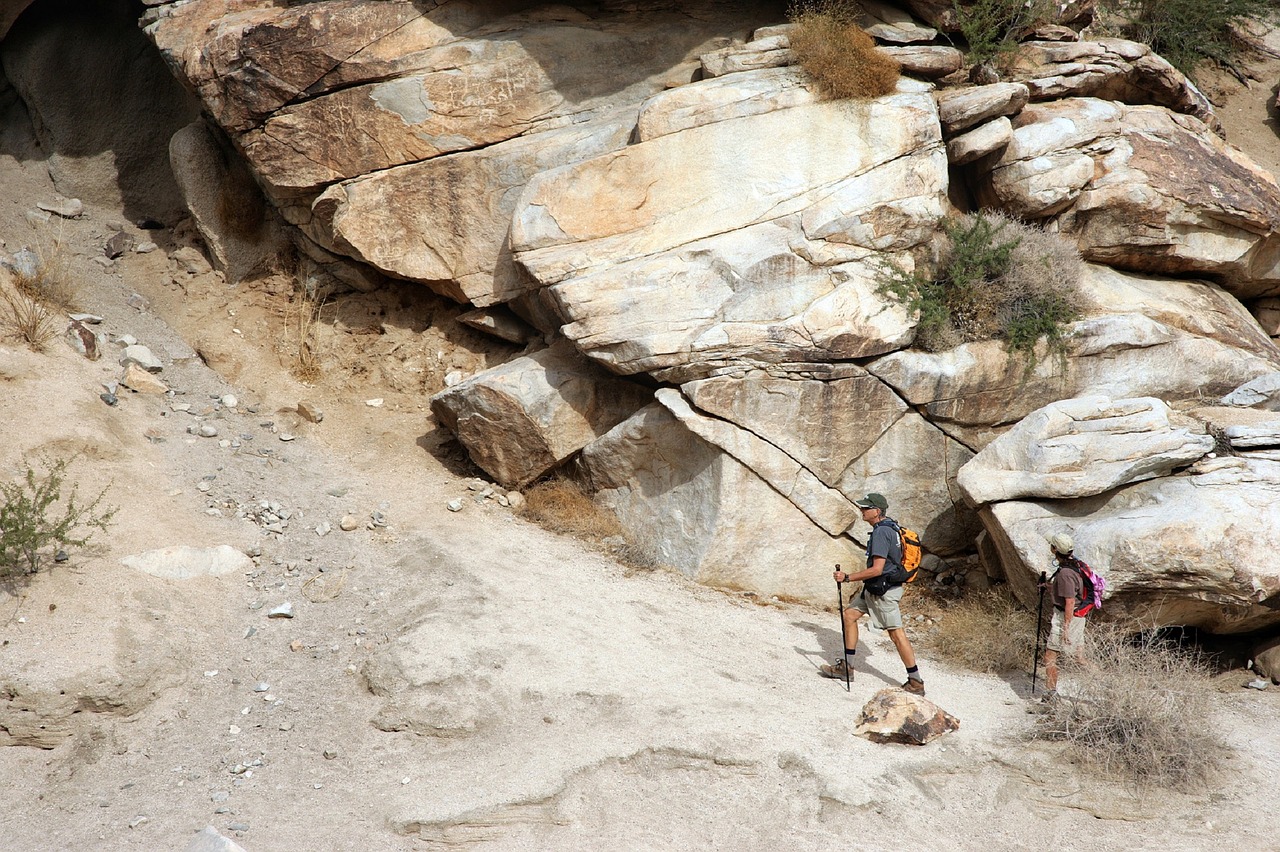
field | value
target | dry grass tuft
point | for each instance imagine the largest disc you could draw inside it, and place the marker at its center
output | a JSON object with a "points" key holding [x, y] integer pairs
{"points": [[561, 505], [50, 283], [838, 54], [28, 320], [1141, 711], [988, 633], [302, 317]]}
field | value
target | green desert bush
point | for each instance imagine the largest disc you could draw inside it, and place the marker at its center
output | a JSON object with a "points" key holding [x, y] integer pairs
{"points": [[1141, 710], [995, 278], [35, 518], [837, 53], [1188, 33], [991, 28]]}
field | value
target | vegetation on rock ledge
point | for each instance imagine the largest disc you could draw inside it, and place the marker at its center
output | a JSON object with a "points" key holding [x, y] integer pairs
{"points": [[838, 54]]}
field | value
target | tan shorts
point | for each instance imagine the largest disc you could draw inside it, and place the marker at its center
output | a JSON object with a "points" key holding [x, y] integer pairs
{"points": [[1075, 633], [884, 609]]}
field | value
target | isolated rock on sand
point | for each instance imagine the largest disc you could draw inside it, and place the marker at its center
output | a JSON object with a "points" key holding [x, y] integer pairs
{"points": [[209, 839], [137, 379], [1266, 659], [895, 716], [182, 562]]}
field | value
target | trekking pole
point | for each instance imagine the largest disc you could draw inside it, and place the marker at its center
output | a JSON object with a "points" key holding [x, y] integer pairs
{"points": [[844, 644], [1035, 664]]}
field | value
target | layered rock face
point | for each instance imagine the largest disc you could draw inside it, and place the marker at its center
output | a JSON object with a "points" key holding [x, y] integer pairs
{"points": [[700, 241]]}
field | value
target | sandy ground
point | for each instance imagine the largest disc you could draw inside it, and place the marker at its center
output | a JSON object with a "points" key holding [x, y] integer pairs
{"points": [[457, 680]]}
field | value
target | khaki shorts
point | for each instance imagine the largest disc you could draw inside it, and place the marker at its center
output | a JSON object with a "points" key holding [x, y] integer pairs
{"points": [[1075, 633], [884, 610]]}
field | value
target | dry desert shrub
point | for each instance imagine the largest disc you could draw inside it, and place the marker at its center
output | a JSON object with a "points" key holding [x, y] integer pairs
{"points": [[27, 319], [302, 341], [1140, 710], [837, 53], [560, 505], [988, 633], [995, 278], [50, 282]]}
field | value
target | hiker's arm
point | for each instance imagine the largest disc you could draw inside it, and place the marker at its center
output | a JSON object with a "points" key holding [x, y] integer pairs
{"points": [[876, 569]]}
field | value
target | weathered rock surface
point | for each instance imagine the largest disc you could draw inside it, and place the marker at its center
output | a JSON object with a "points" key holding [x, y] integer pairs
{"points": [[1119, 350], [961, 109], [524, 417], [977, 143], [895, 716], [182, 562], [1262, 392], [422, 84], [677, 270], [1110, 68], [721, 98], [696, 508], [1192, 550], [1080, 447], [445, 221], [825, 506], [1143, 189]]}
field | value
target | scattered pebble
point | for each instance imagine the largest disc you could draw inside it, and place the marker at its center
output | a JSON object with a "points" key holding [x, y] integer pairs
{"points": [[454, 505], [374, 403], [137, 822], [237, 826], [286, 436], [330, 754], [286, 726], [219, 797], [229, 401], [284, 610], [1257, 684], [262, 687], [310, 411], [349, 522], [233, 730]]}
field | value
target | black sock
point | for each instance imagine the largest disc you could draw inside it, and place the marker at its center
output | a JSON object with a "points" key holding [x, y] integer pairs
{"points": [[913, 673], [849, 652]]}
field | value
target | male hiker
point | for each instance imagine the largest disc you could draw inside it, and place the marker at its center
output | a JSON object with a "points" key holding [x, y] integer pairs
{"points": [[878, 596], [1066, 629]]}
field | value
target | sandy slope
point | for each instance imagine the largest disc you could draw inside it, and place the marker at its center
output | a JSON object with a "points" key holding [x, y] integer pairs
{"points": [[478, 681]]}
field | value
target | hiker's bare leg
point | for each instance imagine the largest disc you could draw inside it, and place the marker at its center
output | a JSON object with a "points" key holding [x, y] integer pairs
{"points": [[1051, 670], [903, 644], [851, 617]]}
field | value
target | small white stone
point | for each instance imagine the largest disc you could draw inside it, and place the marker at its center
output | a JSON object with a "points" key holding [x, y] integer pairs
{"points": [[374, 403], [233, 730], [286, 436], [230, 401], [454, 505]]}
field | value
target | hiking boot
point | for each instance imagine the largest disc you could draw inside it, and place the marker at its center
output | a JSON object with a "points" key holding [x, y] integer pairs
{"points": [[838, 669], [915, 687]]}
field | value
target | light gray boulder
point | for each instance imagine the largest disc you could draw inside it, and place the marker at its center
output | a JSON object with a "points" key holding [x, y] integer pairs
{"points": [[1261, 392], [1080, 447], [961, 109], [825, 506], [722, 98], [521, 419], [699, 510], [445, 221], [1195, 550], [1144, 189], [660, 263], [977, 143], [1141, 336], [1109, 68]]}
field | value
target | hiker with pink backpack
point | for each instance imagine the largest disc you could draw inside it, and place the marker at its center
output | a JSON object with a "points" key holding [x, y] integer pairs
{"points": [[1076, 590]]}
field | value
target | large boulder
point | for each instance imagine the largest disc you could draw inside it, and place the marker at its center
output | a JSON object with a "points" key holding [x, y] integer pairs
{"points": [[1110, 68], [701, 511], [1080, 447], [854, 435], [661, 263], [1196, 549], [521, 419], [329, 92], [895, 716], [1141, 188], [445, 221], [1141, 336], [1261, 392]]}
